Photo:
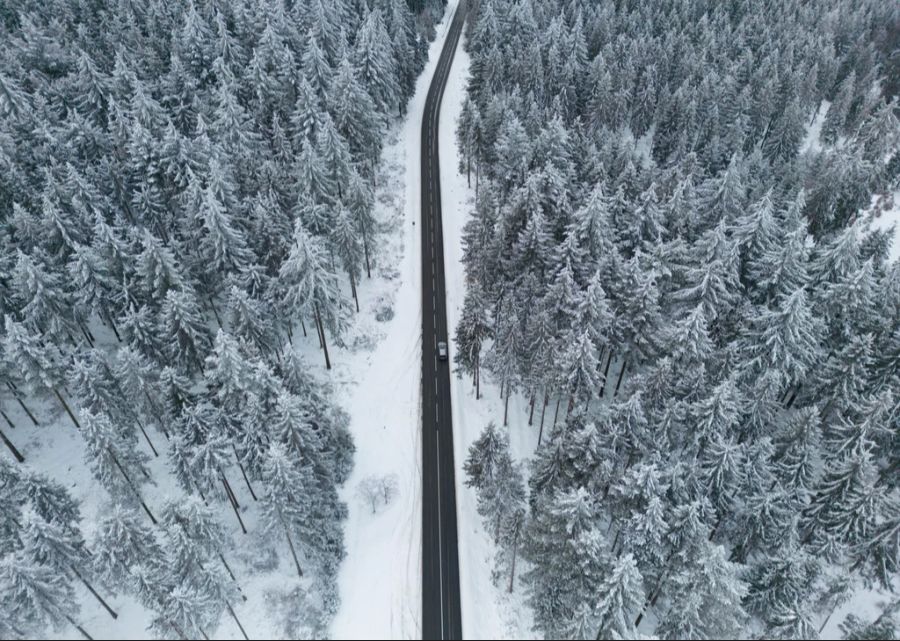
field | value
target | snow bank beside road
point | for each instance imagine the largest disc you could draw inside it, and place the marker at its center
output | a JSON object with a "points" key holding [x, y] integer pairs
{"points": [[488, 612], [380, 581]]}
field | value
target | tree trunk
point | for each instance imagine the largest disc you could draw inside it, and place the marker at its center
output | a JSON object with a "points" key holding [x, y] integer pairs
{"points": [[543, 412], [212, 306], [303, 327], [825, 622], [621, 374], [231, 574], [654, 596], [132, 486], [243, 472], [234, 616], [12, 448], [234, 504], [112, 326], [291, 546], [18, 398], [79, 628], [506, 408], [531, 411], [91, 589], [477, 377], [365, 235], [606, 373], [8, 422], [66, 407], [86, 335], [556, 412], [146, 437], [353, 291], [794, 396], [515, 549], [322, 332]]}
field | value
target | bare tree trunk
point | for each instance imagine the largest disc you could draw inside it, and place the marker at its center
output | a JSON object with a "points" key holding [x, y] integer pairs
{"points": [[794, 396], [234, 616], [825, 622], [6, 418], [556, 413], [79, 628], [365, 235], [18, 398], [231, 495], [506, 407], [234, 504], [132, 486], [112, 326], [531, 411], [543, 412], [606, 373], [146, 437], [66, 407], [477, 377], [621, 374], [291, 546], [231, 574], [215, 311], [85, 333], [654, 596], [515, 549], [243, 472], [322, 333], [91, 589], [353, 291], [12, 448]]}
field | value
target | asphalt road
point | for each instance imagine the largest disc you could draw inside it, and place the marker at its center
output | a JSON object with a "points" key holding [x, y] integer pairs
{"points": [[440, 561]]}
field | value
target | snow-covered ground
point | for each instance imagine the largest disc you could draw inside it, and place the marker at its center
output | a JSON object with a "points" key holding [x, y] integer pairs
{"points": [[812, 141], [488, 612], [381, 580]]}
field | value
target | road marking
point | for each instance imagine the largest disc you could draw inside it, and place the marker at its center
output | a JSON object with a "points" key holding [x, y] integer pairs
{"points": [[434, 99], [437, 437]]}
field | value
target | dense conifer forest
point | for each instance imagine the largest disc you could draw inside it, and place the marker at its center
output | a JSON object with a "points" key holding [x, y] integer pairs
{"points": [[186, 192], [668, 259]]}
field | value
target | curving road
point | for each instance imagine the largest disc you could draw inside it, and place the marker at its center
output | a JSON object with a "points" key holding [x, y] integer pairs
{"points": [[440, 561]]}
